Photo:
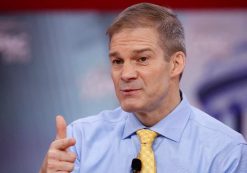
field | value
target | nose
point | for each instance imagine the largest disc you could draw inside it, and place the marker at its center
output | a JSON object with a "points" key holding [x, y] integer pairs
{"points": [[129, 72]]}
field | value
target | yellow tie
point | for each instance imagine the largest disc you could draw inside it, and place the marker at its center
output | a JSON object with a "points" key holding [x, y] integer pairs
{"points": [[146, 154]]}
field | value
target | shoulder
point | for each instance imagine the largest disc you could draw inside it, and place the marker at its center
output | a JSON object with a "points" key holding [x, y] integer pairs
{"points": [[103, 121], [110, 116], [226, 147], [93, 132], [212, 130]]}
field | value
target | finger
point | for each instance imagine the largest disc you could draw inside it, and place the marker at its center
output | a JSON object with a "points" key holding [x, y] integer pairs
{"points": [[61, 155], [61, 127], [60, 166], [63, 144]]}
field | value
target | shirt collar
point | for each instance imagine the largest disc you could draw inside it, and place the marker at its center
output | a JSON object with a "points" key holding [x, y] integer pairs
{"points": [[171, 127]]}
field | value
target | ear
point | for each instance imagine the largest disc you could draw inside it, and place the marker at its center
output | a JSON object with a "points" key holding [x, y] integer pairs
{"points": [[178, 63]]}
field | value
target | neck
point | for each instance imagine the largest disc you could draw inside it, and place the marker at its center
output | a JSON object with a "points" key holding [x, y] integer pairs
{"points": [[151, 117]]}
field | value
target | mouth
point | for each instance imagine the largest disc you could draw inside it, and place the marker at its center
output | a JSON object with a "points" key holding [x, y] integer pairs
{"points": [[129, 92]]}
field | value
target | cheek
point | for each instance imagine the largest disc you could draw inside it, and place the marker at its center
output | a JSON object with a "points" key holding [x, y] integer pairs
{"points": [[115, 83], [157, 82], [113, 77], [115, 80]]}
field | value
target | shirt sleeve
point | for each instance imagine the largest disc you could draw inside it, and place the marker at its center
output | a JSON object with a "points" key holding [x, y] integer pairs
{"points": [[242, 165], [71, 133], [233, 160]]}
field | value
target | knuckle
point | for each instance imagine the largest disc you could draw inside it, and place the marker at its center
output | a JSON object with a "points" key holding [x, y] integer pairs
{"points": [[53, 144], [59, 144], [51, 154], [73, 156], [63, 142], [71, 166], [50, 164]]}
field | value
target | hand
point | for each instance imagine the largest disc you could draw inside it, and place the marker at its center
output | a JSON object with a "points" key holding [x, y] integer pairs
{"points": [[58, 158]]}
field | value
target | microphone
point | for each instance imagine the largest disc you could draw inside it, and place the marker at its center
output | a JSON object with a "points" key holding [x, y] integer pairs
{"points": [[136, 165]]}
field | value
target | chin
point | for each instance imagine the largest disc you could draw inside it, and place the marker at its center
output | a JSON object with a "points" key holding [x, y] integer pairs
{"points": [[128, 107]]}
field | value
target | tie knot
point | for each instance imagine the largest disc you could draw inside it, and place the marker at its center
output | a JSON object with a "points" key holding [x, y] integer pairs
{"points": [[146, 136]]}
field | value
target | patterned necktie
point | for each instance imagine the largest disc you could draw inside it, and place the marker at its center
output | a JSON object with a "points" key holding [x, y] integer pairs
{"points": [[146, 154]]}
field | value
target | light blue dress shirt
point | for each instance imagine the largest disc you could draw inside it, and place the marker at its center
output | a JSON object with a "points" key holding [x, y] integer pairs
{"points": [[189, 141]]}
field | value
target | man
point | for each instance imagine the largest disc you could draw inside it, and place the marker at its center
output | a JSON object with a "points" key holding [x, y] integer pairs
{"points": [[147, 55]]}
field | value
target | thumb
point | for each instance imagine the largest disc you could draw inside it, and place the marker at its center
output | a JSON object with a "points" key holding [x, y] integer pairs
{"points": [[61, 127]]}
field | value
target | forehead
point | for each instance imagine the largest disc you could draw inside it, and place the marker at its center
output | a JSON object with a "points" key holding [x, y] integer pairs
{"points": [[137, 38]]}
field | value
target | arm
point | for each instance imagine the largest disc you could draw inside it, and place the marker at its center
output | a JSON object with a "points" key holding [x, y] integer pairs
{"points": [[232, 161], [242, 164]]}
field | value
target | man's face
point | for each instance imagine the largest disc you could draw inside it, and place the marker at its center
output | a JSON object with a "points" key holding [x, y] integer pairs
{"points": [[140, 73]]}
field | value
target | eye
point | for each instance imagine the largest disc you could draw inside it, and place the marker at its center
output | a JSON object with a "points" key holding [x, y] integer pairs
{"points": [[142, 59], [117, 61]]}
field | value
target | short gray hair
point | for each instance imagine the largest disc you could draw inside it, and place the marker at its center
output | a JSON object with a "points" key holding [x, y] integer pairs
{"points": [[163, 19]]}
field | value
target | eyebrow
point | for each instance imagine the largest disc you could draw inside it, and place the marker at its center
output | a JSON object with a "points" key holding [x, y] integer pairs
{"points": [[142, 50], [113, 54], [116, 54]]}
